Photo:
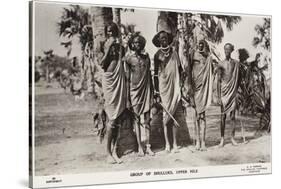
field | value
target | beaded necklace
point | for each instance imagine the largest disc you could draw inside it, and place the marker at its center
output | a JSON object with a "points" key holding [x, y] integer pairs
{"points": [[165, 51]]}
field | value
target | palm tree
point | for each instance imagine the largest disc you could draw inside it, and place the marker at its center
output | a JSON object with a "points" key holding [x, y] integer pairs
{"points": [[252, 98], [100, 16], [263, 40], [75, 22], [263, 37], [47, 60]]}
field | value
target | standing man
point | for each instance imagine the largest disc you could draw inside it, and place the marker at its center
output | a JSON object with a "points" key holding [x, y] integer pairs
{"points": [[167, 82], [114, 88], [140, 88], [228, 75], [200, 82]]}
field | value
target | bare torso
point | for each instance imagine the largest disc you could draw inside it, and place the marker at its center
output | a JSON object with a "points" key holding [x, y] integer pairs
{"points": [[139, 65], [227, 69], [162, 60], [199, 62], [111, 57]]}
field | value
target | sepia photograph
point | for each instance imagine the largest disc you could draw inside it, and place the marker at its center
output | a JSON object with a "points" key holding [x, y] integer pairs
{"points": [[129, 89]]}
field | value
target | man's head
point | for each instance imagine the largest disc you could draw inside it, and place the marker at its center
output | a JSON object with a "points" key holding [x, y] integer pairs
{"points": [[113, 51], [228, 49], [203, 46], [189, 19], [162, 39], [111, 30], [137, 42]]}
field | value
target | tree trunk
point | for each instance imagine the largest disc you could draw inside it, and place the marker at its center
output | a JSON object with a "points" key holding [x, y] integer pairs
{"points": [[117, 16], [47, 73], [101, 16]]}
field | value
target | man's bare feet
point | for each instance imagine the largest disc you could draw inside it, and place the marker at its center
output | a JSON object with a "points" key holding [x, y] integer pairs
{"points": [[221, 143], [117, 159], [111, 160], [140, 152], [197, 146], [203, 146], [234, 143], [175, 149], [168, 148], [149, 151]]}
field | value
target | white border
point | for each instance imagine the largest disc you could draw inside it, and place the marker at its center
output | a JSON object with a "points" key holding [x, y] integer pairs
{"points": [[124, 176], [153, 8]]}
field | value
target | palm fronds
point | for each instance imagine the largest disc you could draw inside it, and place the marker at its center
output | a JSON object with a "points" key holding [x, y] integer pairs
{"points": [[263, 37], [75, 21], [251, 94]]}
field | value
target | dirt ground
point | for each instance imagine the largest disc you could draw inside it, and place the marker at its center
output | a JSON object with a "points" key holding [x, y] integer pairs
{"points": [[65, 141]]}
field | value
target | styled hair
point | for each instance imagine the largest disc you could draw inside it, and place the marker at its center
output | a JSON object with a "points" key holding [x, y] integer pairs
{"points": [[206, 45], [232, 46], [141, 38], [114, 28]]}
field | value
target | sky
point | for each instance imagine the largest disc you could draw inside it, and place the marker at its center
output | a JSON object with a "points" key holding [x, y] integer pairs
{"points": [[48, 14]]}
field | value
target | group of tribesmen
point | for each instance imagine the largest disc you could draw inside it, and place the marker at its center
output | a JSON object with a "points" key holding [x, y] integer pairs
{"points": [[128, 83]]}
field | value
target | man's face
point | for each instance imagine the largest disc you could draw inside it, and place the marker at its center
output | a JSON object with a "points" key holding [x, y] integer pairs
{"points": [[113, 51], [163, 38], [137, 44], [227, 50], [109, 31], [201, 47], [189, 21]]}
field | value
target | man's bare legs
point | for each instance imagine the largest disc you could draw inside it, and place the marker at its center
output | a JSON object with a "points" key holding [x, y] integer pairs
{"points": [[112, 135], [233, 123], [147, 134], [110, 159], [197, 132], [175, 144], [167, 144], [138, 135], [200, 130], [114, 144], [222, 128], [203, 133]]}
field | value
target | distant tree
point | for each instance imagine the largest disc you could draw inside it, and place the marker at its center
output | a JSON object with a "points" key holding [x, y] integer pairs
{"points": [[263, 37], [47, 60], [75, 21]]}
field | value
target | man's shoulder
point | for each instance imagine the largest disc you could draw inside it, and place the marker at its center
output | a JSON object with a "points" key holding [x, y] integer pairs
{"points": [[146, 54], [157, 53], [129, 57]]}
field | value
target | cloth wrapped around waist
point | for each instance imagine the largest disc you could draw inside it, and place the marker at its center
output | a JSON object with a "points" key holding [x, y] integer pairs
{"points": [[114, 89], [141, 94], [169, 85], [229, 91], [203, 86]]}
